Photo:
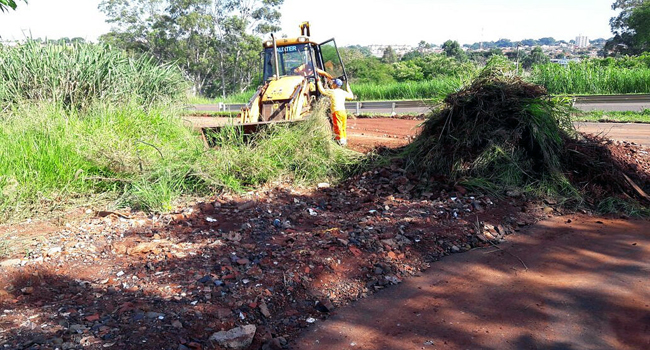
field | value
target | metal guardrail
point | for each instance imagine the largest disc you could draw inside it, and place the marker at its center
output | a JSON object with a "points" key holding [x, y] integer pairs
{"points": [[612, 98], [358, 107]]}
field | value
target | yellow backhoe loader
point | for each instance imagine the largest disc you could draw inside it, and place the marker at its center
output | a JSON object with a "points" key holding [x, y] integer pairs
{"points": [[291, 67]]}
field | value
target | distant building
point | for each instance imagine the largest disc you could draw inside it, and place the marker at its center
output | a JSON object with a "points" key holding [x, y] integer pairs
{"points": [[400, 50], [582, 41]]}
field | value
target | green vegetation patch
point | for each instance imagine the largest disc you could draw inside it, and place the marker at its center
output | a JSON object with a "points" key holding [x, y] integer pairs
{"points": [[433, 89], [592, 77], [613, 117], [79, 75], [51, 158]]}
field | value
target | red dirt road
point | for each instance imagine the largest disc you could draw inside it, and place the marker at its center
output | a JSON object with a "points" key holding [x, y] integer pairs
{"points": [[586, 286], [364, 134]]}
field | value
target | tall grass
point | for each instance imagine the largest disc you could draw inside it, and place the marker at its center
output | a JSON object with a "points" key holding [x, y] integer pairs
{"points": [[51, 157], [429, 89], [77, 76], [303, 153], [613, 116], [591, 77]]}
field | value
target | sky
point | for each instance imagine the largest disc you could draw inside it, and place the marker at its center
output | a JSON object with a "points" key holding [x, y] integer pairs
{"points": [[360, 22]]}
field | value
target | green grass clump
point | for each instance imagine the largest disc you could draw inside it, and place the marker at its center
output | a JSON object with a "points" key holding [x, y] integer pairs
{"points": [[614, 116], [79, 75], [52, 157], [302, 152]]}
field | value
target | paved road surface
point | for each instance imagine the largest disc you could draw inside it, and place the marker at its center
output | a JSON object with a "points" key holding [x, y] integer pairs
{"points": [[609, 107], [585, 285], [397, 129], [394, 132]]}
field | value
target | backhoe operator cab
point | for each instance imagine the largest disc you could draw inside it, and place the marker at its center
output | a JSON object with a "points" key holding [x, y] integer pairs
{"points": [[291, 67]]}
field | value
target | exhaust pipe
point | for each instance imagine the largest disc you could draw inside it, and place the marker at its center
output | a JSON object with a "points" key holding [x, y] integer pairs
{"points": [[275, 57]]}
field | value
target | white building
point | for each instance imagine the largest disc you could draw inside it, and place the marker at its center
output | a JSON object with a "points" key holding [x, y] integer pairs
{"points": [[378, 50], [582, 41]]}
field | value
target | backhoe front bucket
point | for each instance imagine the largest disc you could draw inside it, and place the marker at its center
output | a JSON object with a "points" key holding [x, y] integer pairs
{"points": [[215, 136]]}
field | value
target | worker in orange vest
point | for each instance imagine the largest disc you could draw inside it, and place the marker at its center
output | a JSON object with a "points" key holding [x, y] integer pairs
{"points": [[337, 97]]}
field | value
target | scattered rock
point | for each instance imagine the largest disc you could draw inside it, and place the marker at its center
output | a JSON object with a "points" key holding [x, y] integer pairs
{"points": [[513, 193], [153, 315], [54, 251], [236, 338], [10, 262], [264, 309], [324, 305]]}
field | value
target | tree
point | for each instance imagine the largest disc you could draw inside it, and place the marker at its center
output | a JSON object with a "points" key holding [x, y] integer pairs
{"points": [[216, 42], [369, 70], [548, 41], [423, 46], [503, 43], [5, 5], [452, 49], [536, 56], [407, 71], [495, 51], [529, 42], [411, 55], [389, 55], [356, 50], [630, 28]]}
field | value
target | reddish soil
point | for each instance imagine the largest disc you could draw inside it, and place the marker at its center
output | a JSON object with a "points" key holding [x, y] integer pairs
{"points": [[277, 259], [366, 134], [569, 282], [284, 258]]}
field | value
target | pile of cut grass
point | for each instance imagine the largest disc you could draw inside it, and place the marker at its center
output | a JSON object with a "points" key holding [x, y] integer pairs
{"points": [[502, 133], [499, 128]]}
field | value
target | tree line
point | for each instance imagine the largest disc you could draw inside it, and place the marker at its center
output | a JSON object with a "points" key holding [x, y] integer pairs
{"points": [[217, 43], [420, 65]]}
